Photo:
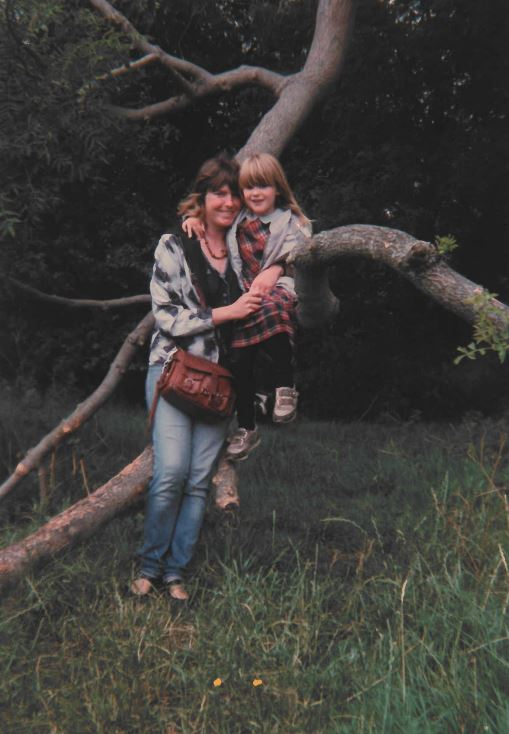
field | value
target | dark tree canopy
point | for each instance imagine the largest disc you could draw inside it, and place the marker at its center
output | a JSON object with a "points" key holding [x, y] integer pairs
{"points": [[413, 137]]}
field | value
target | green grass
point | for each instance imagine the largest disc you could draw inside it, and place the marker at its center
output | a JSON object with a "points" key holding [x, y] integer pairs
{"points": [[365, 582]]}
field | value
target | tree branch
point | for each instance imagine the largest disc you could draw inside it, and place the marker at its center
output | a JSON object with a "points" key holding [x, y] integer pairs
{"points": [[303, 90], [84, 410], [415, 260], [225, 82], [131, 66], [79, 302]]}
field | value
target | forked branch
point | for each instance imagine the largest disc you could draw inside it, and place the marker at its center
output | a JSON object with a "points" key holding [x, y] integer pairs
{"points": [[194, 81]]}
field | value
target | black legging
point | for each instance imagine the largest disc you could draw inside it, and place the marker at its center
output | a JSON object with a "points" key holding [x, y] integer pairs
{"points": [[243, 359]]}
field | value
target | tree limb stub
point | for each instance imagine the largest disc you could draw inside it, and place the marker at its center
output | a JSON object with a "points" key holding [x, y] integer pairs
{"points": [[123, 492], [137, 338], [80, 302], [416, 260], [225, 483]]}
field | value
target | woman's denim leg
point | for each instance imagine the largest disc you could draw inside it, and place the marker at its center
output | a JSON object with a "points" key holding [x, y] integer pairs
{"points": [[184, 454], [206, 443]]}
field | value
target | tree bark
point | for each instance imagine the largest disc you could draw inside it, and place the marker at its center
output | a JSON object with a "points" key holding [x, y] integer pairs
{"points": [[225, 483]]}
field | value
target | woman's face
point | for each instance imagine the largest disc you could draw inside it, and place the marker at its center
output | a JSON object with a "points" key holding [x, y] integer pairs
{"points": [[221, 207]]}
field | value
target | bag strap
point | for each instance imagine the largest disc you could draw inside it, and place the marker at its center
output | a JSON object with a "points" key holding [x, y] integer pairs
{"points": [[195, 261], [153, 407]]}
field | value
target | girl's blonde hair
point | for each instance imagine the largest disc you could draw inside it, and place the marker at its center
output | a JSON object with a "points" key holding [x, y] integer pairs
{"points": [[263, 169], [213, 175]]}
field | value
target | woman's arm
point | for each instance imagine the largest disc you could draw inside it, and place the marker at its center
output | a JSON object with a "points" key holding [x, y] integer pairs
{"points": [[243, 307], [173, 316]]}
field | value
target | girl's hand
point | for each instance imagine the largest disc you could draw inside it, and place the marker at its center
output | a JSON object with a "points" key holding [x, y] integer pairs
{"points": [[194, 227], [266, 280]]}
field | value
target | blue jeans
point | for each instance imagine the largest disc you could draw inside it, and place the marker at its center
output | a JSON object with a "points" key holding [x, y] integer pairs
{"points": [[185, 451]]}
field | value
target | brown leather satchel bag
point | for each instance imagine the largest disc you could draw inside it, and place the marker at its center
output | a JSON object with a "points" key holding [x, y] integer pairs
{"points": [[196, 386]]}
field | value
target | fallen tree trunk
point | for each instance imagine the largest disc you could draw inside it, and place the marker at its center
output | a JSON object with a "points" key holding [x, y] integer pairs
{"points": [[122, 492]]}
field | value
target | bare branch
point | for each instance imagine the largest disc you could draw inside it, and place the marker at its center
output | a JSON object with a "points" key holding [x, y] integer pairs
{"points": [[131, 66], [86, 409], [78, 522], [80, 302], [173, 104], [224, 82]]}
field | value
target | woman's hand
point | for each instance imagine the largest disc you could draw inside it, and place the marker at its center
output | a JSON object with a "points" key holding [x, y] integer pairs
{"points": [[194, 227], [243, 307], [266, 280]]}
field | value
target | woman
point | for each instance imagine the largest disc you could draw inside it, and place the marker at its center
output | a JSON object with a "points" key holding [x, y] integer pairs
{"points": [[195, 297]]}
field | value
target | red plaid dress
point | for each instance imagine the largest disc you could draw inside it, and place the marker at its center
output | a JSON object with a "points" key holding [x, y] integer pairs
{"points": [[277, 313]]}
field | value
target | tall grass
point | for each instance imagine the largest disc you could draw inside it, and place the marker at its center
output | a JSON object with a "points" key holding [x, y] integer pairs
{"points": [[364, 587]]}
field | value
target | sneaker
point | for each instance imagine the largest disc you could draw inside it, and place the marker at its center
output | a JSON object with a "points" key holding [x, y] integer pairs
{"points": [[241, 443], [285, 405]]}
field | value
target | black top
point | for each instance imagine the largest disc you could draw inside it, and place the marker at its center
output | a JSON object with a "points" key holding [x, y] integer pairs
{"points": [[214, 289]]}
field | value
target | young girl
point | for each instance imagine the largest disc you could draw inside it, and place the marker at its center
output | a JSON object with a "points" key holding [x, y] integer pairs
{"points": [[259, 241]]}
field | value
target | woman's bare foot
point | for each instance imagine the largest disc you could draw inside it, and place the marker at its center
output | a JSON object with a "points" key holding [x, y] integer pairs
{"points": [[178, 591]]}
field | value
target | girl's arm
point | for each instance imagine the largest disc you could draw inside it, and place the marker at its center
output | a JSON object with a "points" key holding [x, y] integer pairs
{"points": [[266, 279], [194, 227]]}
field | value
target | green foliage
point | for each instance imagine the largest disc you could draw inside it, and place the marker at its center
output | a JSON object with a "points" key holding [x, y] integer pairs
{"points": [[364, 583], [491, 328], [446, 244]]}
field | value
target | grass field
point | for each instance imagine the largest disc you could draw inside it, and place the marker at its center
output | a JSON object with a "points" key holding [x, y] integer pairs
{"points": [[363, 587]]}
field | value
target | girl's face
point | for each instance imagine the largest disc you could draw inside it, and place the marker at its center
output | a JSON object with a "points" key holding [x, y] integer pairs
{"points": [[221, 207], [260, 199]]}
